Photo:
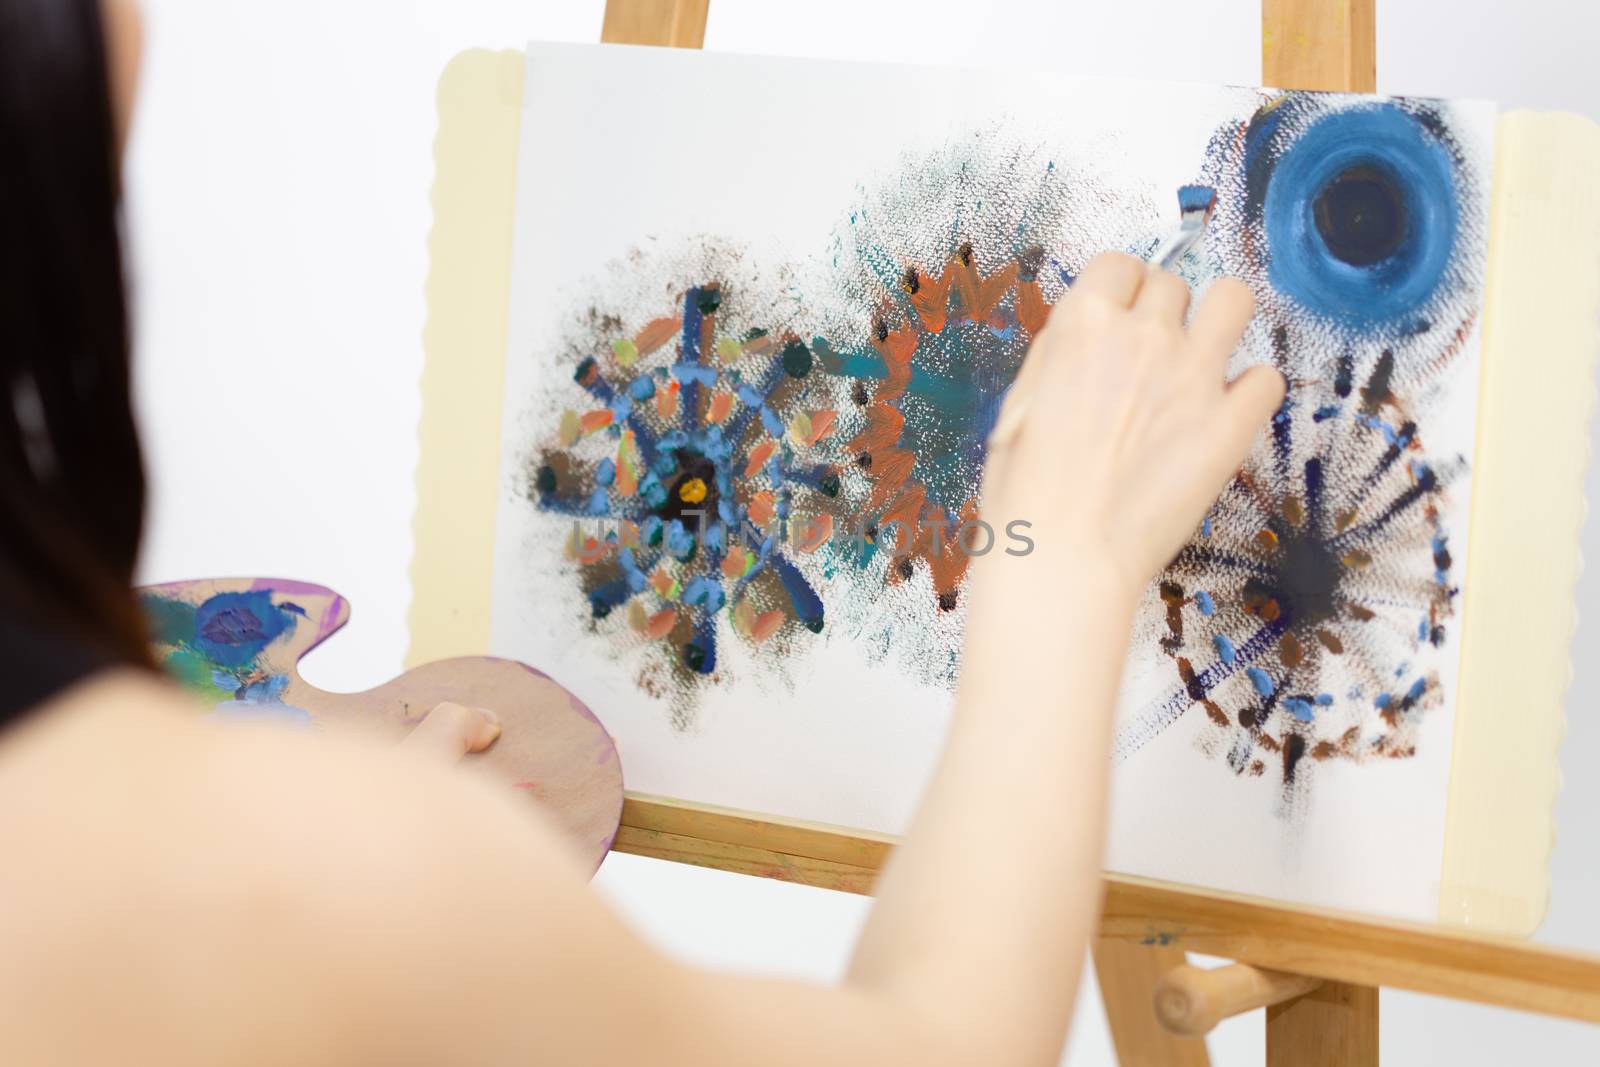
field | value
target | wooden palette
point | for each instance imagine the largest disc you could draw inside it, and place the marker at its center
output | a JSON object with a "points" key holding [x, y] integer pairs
{"points": [[237, 644]]}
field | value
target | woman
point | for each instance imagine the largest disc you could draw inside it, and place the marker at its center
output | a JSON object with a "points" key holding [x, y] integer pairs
{"points": [[182, 893]]}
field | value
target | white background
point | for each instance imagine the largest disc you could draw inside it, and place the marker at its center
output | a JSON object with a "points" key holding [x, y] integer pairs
{"points": [[278, 206]]}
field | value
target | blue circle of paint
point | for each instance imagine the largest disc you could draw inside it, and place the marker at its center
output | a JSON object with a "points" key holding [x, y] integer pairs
{"points": [[1361, 214]]}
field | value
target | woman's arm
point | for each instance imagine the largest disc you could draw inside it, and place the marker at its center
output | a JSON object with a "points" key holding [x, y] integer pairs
{"points": [[1120, 434]]}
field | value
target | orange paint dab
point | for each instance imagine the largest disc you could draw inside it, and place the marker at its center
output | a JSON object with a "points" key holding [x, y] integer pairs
{"points": [[656, 334], [592, 550], [759, 456], [660, 624], [765, 625], [595, 420], [627, 465], [813, 533], [667, 400], [821, 425], [665, 586], [762, 508], [736, 563]]}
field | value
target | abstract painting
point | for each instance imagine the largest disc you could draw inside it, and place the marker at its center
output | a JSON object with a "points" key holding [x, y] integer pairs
{"points": [[751, 378]]}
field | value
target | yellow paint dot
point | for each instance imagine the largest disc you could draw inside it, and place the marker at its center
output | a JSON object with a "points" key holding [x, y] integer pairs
{"points": [[692, 491]]}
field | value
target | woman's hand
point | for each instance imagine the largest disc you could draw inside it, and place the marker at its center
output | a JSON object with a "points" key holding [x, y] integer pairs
{"points": [[451, 731], [1121, 429]]}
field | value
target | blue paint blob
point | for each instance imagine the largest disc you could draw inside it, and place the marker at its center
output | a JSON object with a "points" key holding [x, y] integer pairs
{"points": [[652, 492], [1203, 601], [1225, 648], [606, 472], [1300, 709], [631, 574], [1325, 700], [704, 592], [680, 542], [807, 605], [608, 597], [1259, 679], [1361, 212], [232, 629], [700, 654], [1383, 701], [694, 373]]}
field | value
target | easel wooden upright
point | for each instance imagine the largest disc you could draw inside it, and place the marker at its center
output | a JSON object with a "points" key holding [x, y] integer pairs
{"points": [[1317, 973]]}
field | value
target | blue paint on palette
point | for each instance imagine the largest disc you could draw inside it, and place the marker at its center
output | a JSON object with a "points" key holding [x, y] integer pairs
{"points": [[232, 629]]}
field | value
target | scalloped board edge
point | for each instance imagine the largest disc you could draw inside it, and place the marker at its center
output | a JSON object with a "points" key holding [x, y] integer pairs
{"points": [[464, 338], [1543, 296], [1541, 333]]}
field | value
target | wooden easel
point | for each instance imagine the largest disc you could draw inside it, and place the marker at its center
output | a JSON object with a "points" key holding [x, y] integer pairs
{"points": [[1316, 972]]}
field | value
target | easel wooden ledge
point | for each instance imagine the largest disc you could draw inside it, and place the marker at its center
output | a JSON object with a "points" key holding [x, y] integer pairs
{"points": [[1316, 972]]}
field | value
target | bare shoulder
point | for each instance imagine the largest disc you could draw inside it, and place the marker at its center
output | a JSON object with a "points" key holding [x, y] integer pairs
{"points": [[315, 897]]}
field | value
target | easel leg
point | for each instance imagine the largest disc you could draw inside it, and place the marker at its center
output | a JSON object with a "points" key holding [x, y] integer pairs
{"points": [[1128, 974], [1335, 1025]]}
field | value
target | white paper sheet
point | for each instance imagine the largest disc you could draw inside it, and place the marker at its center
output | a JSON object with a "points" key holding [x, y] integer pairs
{"points": [[803, 191]]}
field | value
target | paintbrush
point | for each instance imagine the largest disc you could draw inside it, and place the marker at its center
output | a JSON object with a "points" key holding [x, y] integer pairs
{"points": [[1195, 204]]}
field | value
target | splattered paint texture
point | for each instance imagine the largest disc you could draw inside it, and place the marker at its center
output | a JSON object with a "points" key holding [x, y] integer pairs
{"points": [[1308, 615], [695, 478], [748, 404]]}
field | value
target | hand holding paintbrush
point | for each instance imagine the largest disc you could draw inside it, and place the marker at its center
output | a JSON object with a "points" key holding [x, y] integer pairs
{"points": [[1195, 205]]}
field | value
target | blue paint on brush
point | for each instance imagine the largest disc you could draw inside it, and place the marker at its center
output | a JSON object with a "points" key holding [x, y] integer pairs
{"points": [[1192, 198]]}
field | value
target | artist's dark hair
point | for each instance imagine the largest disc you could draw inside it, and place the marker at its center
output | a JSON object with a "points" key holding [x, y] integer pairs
{"points": [[72, 485]]}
